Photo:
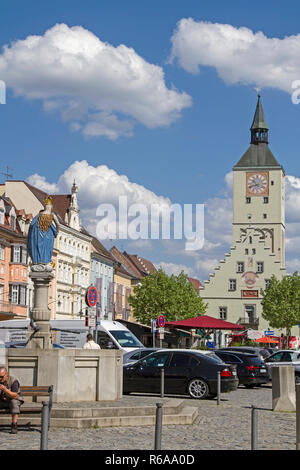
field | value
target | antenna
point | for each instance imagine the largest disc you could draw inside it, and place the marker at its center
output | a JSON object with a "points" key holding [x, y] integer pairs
{"points": [[7, 174]]}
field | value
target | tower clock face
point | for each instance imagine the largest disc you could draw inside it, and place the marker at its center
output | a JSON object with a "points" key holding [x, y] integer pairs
{"points": [[257, 184]]}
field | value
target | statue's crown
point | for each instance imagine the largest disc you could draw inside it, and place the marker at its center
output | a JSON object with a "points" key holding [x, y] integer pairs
{"points": [[48, 200]]}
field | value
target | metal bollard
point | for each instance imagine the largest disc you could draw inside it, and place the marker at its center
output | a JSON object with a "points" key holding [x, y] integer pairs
{"points": [[44, 426], [253, 428], [158, 426], [219, 387], [162, 383]]}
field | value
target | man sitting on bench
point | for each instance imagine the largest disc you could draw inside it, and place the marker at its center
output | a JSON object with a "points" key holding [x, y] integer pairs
{"points": [[10, 397]]}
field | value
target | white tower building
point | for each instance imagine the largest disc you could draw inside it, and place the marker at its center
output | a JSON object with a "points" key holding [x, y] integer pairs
{"points": [[233, 290]]}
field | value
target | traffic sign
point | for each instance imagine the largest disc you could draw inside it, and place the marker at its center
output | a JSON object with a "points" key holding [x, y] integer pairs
{"points": [[161, 321], [91, 296], [269, 333]]}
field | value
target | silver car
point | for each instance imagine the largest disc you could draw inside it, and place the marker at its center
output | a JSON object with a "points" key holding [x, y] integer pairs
{"points": [[285, 357]]}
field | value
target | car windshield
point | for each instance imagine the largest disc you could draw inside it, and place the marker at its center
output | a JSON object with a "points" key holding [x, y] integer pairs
{"points": [[126, 339]]}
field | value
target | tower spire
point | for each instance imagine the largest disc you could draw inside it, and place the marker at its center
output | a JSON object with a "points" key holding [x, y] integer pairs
{"points": [[259, 128]]}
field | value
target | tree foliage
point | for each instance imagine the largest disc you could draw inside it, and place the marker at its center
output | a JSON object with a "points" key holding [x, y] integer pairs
{"points": [[281, 302], [173, 296]]}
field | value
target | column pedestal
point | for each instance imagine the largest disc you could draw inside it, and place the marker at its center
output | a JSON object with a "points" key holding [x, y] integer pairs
{"points": [[41, 276]]}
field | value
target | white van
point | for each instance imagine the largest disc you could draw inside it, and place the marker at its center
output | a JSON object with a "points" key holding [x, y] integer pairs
{"points": [[114, 335], [72, 334]]}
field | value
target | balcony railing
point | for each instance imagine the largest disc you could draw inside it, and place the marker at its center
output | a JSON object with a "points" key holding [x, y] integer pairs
{"points": [[247, 322]]}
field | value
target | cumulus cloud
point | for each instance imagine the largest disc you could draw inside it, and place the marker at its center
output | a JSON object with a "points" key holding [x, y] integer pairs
{"points": [[239, 55], [102, 185], [101, 90]]}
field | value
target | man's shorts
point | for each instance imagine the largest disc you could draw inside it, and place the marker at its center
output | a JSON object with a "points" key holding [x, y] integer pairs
{"points": [[12, 405]]}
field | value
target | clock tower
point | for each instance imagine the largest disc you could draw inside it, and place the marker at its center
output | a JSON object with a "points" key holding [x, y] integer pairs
{"points": [[258, 192], [233, 290]]}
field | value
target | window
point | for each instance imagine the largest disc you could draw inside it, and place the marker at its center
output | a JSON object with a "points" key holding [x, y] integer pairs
{"points": [[223, 313], [22, 298], [2, 251], [156, 360], [232, 284], [246, 251], [265, 216], [267, 283], [105, 341], [1, 216], [266, 200], [24, 255], [240, 267], [1, 293], [16, 254], [253, 251], [12, 222], [250, 240], [14, 294], [180, 360], [260, 267], [272, 183], [249, 216], [248, 200]]}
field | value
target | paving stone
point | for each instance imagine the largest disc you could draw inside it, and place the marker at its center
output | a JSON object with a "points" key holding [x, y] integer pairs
{"points": [[223, 427]]}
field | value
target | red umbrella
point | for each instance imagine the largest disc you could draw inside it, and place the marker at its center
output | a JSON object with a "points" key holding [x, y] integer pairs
{"points": [[266, 339], [207, 322]]}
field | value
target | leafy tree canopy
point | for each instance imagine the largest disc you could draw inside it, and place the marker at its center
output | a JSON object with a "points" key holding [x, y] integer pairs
{"points": [[281, 302], [173, 296]]}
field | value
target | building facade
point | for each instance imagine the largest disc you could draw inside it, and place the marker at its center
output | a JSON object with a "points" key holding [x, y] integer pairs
{"points": [[233, 291], [72, 247], [102, 277], [13, 261]]}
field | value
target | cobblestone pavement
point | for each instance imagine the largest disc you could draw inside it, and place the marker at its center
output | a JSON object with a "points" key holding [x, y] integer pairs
{"points": [[223, 427]]}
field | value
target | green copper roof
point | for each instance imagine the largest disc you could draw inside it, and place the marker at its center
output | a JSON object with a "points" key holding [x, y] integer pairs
{"points": [[259, 121], [258, 156]]}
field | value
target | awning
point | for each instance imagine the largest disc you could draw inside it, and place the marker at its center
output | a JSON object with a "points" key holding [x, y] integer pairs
{"points": [[206, 322]]}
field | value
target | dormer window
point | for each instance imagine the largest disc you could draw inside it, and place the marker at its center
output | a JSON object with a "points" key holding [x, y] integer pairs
{"points": [[12, 222]]}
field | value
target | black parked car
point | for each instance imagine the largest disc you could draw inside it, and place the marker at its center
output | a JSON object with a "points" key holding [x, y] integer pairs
{"points": [[263, 353], [133, 356], [185, 372], [251, 370]]}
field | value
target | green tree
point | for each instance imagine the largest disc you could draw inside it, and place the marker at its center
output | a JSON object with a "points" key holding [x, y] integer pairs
{"points": [[173, 296], [281, 302]]}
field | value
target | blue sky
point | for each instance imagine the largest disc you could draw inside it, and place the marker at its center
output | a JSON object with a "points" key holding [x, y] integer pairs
{"points": [[182, 157]]}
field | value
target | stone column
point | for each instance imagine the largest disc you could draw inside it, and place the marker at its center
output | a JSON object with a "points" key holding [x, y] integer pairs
{"points": [[41, 276]]}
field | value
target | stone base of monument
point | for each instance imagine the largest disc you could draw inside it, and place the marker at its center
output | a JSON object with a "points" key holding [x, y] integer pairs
{"points": [[283, 388], [41, 276], [76, 374]]}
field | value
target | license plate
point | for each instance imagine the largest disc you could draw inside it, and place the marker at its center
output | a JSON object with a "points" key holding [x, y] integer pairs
{"points": [[233, 372], [263, 371]]}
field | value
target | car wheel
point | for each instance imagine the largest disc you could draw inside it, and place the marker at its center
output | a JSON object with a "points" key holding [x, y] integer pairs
{"points": [[249, 385], [197, 388], [297, 379]]}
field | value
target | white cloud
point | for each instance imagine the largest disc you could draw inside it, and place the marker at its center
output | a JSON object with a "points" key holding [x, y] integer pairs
{"points": [[238, 54], [173, 268], [41, 183], [99, 89]]}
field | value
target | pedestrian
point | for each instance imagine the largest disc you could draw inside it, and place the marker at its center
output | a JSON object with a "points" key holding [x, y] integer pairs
{"points": [[90, 343], [10, 397]]}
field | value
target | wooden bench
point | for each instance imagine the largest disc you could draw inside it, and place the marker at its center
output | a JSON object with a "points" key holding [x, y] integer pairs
{"points": [[35, 392]]}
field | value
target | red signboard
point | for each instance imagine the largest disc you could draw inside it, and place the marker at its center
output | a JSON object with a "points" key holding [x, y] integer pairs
{"points": [[250, 293]]}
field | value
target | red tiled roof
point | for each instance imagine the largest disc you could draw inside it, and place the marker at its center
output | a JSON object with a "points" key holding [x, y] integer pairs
{"points": [[197, 284]]}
